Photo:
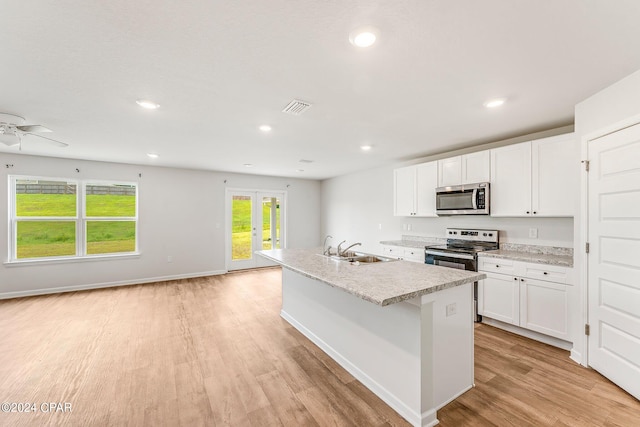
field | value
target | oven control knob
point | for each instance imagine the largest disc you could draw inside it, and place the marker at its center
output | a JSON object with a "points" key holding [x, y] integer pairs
{"points": [[490, 234], [451, 232], [484, 234]]}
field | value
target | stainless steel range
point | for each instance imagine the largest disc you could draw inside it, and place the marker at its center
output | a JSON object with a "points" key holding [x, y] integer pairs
{"points": [[461, 251]]}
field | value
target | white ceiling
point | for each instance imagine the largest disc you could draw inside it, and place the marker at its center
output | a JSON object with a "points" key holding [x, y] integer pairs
{"points": [[220, 69]]}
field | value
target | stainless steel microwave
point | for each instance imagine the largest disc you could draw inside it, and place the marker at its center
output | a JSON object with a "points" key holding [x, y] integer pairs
{"points": [[468, 199]]}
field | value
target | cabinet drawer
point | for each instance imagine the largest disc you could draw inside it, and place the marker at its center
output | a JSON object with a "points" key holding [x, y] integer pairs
{"points": [[396, 252], [414, 254], [407, 254], [549, 273], [497, 265]]}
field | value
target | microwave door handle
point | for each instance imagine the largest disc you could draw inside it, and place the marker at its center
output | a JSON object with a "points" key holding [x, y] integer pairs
{"points": [[474, 199]]}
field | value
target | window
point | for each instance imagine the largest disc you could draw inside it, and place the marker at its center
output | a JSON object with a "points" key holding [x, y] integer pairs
{"points": [[53, 218]]}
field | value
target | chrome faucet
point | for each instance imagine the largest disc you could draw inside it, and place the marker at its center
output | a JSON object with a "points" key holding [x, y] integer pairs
{"points": [[340, 250], [326, 251], [342, 253]]}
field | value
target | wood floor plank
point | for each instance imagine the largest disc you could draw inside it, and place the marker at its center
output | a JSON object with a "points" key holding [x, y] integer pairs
{"points": [[214, 351], [288, 407]]}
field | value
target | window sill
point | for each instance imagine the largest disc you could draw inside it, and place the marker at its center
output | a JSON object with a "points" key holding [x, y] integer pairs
{"points": [[47, 261]]}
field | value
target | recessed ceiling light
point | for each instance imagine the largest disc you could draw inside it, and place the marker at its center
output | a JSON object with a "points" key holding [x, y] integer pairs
{"points": [[493, 103], [265, 128], [152, 155], [248, 165], [366, 147], [364, 36], [149, 105]]}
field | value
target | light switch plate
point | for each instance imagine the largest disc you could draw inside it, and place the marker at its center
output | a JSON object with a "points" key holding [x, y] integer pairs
{"points": [[533, 233]]}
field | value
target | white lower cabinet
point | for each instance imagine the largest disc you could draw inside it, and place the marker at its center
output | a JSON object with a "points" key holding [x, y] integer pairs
{"points": [[499, 298], [404, 253], [532, 296]]}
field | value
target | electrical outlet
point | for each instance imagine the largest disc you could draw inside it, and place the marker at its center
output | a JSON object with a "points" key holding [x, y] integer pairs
{"points": [[408, 227], [404, 227], [452, 309], [379, 226], [533, 233], [169, 258]]}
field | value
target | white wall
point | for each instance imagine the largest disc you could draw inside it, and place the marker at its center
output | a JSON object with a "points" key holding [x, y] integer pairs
{"points": [[617, 105], [609, 106], [355, 206], [181, 213]]}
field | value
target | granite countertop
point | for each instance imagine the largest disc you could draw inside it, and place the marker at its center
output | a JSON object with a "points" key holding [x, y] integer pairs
{"points": [[381, 283], [535, 254]]}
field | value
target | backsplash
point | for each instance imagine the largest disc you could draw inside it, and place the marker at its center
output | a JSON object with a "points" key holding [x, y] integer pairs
{"points": [[425, 240], [534, 249]]}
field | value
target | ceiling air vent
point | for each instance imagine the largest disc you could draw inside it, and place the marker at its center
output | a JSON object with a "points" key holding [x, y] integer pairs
{"points": [[296, 107]]}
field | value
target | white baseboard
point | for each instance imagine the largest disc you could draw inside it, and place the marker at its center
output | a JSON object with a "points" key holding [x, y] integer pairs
{"points": [[45, 291], [576, 356], [556, 342], [426, 419]]}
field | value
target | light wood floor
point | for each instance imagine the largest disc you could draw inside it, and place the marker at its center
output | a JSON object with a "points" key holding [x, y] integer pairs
{"points": [[214, 351]]}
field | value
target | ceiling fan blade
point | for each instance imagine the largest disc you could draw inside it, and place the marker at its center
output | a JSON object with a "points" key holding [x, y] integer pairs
{"points": [[33, 128], [60, 143], [9, 140]]}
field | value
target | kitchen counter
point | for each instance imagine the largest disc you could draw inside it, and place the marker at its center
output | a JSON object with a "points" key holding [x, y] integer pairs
{"points": [[413, 347], [381, 283], [534, 254]]}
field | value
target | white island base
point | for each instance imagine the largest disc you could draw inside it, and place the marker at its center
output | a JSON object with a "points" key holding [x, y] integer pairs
{"points": [[416, 355]]}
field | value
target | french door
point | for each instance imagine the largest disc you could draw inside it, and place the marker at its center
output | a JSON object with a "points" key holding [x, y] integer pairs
{"points": [[255, 221], [614, 257]]}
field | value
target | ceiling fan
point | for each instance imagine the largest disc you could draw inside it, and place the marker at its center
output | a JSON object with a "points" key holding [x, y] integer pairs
{"points": [[13, 129]]}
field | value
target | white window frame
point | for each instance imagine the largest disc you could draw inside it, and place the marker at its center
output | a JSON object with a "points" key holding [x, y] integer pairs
{"points": [[80, 219]]}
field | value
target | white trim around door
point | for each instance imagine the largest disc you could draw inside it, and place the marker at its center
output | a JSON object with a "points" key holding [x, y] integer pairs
{"points": [[611, 267]]}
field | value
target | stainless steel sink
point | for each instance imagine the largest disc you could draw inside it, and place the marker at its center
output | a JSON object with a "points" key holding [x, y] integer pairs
{"points": [[361, 257]]}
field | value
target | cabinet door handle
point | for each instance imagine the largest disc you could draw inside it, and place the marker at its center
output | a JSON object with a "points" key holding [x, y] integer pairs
{"points": [[545, 273], [527, 212], [534, 212], [497, 266], [522, 280], [515, 278]]}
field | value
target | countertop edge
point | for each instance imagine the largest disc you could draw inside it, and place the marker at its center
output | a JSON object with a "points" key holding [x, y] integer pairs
{"points": [[386, 301]]}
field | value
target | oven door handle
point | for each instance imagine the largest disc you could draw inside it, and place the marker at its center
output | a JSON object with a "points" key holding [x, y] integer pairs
{"points": [[449, 255], [474, 199]]}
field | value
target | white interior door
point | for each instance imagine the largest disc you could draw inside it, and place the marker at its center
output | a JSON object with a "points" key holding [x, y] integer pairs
{"points": [[614, 258], [255, 222]]}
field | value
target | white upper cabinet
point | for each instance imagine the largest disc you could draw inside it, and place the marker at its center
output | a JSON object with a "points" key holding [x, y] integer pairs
{"points": [[450, 171], [511, 180], [465, 169], [535, 178], [414, 190], [404, 191], [476, 167], [426, 178], [555, 175]]}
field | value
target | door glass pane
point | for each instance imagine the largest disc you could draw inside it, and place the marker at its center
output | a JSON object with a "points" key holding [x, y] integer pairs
{"points": [[241, 242], [270, 223], [38, 239], [106, 237]]}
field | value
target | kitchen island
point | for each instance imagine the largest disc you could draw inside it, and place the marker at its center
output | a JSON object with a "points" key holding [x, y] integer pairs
{"points": [[404, 330]]}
